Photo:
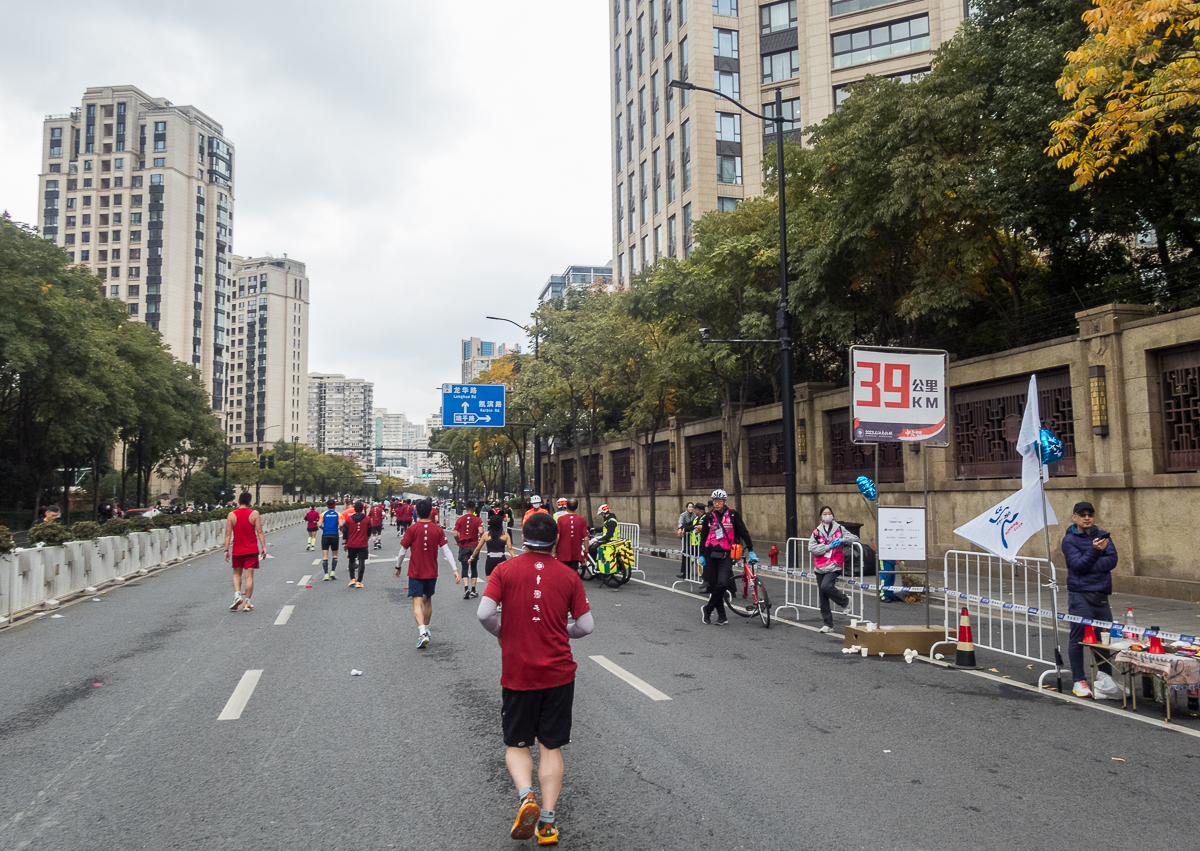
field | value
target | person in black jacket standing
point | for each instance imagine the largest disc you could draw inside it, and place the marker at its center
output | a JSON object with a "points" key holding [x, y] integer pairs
{"points": [[1091, 556], [719, 531]]}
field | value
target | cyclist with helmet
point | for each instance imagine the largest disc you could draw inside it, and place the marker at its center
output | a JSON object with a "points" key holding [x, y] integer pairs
{"points": [[562, 508], [719, 531], [535, 506]]}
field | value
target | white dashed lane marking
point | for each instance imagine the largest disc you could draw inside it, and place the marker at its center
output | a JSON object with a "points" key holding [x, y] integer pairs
{"points": [[637, 682], [284, 614], [240, 697]]}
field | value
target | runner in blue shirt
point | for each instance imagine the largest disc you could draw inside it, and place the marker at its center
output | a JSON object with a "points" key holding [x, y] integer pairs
{"points": [[329, 539]]}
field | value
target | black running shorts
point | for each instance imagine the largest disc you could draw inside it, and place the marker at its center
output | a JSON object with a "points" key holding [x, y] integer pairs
{"points": [[543, 714], [329, 542]]}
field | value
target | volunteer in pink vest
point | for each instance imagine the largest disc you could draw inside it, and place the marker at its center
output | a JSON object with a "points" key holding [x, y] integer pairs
{"points": [[827, 546], [719, 531]]}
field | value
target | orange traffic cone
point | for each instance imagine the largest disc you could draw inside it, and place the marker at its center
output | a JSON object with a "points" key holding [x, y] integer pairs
{"points": [[1089, 634], [964, 657]]}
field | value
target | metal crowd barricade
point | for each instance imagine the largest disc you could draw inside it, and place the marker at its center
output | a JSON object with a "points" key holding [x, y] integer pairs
{"points": [[800, 580], [692, 570], [994, 591]]}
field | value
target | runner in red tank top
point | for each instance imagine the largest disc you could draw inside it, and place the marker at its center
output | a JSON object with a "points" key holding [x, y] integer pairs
{"points": [[245, 542]]}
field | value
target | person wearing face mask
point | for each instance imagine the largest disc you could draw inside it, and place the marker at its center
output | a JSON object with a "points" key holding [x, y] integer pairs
{"points": [[827, 546]]}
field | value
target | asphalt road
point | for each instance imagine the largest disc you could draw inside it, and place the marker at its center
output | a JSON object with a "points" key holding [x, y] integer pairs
{"points": [[772, 739]]}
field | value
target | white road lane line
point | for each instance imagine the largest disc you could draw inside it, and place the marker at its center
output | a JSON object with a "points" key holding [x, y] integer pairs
{"points": [[284, 614], [304, 579], [637, 682], [240, 697]]}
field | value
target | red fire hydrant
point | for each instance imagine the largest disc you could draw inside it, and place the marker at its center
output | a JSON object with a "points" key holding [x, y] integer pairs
{"points": [[774, 554]]}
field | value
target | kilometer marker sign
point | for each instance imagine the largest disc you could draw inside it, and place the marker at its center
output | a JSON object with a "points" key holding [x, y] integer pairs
{"points": [[898, 395]]}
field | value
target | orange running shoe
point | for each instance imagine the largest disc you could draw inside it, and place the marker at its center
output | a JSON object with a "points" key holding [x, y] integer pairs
{"points": [[527, 816]]}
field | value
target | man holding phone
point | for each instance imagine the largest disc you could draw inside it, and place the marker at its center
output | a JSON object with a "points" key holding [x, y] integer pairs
{"points": [[1091, 556]]}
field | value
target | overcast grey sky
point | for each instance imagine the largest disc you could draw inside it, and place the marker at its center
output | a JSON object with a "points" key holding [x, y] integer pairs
{"points": [[431, 162]]}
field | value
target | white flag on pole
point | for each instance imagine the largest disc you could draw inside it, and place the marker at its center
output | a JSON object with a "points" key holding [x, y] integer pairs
{"points": [[1030, 439], [1005, 527]]}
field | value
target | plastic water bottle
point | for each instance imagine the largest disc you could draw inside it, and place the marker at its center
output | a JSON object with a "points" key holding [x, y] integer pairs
{"points": [[1131, 631]]}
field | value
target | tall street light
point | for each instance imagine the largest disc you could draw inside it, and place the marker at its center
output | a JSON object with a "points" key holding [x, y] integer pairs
{"points": [[537, 442], [783, 317]]}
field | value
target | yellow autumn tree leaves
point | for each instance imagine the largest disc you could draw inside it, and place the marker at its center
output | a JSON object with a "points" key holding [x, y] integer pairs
{"points": [[1136, 77]]}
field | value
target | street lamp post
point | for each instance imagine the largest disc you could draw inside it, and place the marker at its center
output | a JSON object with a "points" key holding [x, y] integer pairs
{"points": [[783, 317], [537, 442]]}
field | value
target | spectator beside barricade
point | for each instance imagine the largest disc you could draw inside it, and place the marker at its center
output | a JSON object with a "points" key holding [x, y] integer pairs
{"points": [[1091, 557]]}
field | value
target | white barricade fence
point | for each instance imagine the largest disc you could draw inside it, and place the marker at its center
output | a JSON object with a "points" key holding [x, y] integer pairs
{"points": [[689, 556], [30, 577], [1010, 604], [800, 581], [632, 532]]}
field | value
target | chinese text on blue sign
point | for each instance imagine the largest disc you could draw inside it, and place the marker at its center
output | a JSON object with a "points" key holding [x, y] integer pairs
{"points": [[478, 405]]}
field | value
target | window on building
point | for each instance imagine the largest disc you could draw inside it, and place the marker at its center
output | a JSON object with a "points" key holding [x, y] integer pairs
{"points": [[729, 169], [683, 70], [729, 127], [687, 230], [160, 162], [728, 83], [641, 37], [83, 255], [725, 43], [726, 205], [671, 236], [645, 252], [682, 12], [670, 169], [685, 151], [776, 17], [655, 100], [620, 211], [843, 7], [641, 118], [874, 43], [156, 180], [654, 29], [642, 185], [781, 66], [791, 115], [656, 159], [618, 73], [1179, 377], [842, 93], [657, 242], [725, 7], [670, 92], [666, 24], [633, 260], [87, 165]]}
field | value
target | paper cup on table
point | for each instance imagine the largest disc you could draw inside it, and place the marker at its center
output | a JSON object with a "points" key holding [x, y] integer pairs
{"points": [[853, 622], [869, 626], [864, 652], [1105, 637]]}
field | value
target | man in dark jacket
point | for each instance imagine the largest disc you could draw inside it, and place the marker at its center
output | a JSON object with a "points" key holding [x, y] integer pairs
{"points": [[1091, 556]]}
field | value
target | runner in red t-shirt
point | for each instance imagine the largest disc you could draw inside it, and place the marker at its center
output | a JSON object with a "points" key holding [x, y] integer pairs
{"points": [[571, 548], [245, 542], [424, 539], [357, 528], [466, 534], [404, 516], [375, 516], [313, 519], [537, 671]]}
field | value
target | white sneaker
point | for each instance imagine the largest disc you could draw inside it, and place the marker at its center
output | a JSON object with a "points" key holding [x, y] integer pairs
{"points": [[847, 610], [1082, 689], [826, 629], [238, 600]]}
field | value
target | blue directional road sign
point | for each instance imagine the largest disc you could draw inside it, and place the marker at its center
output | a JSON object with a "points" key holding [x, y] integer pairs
{"points": [[475, 405]]}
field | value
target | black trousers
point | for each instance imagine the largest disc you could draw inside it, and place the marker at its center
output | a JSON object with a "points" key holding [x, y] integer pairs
{"points": [[827, 590], [357, 555], [719, 571]]}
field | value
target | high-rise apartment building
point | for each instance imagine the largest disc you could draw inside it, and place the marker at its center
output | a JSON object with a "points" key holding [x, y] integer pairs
{"points": [[340, 416], [141, 192], [575, 277], [680, 154], [267, 353], [477, 356], [396, 430]]}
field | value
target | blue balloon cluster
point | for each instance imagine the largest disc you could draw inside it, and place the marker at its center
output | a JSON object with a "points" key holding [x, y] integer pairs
{"points": [[866, 487], [1051, 447]]}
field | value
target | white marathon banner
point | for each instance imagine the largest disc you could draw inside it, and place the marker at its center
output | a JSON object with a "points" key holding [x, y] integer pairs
{"points": [[898, 395], [1003, 528]]}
